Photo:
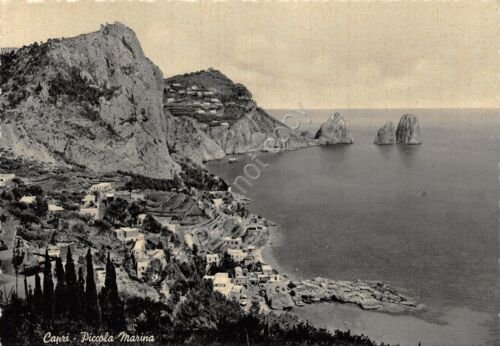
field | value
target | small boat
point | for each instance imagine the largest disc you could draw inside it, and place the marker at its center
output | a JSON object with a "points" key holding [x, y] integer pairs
{"points": [[232, 160]]}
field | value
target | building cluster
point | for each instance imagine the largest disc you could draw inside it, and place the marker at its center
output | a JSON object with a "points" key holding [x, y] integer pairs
{"points": [[7, 50], [192, 99], [249, 274]]}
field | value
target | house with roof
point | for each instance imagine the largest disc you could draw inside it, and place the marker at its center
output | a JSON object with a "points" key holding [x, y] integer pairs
{"points": [[101, 187], [28, 200], [100, 274], [142, 265], [139, 248], [232, 242], [221, 283], [240, 276], [94, 213], [6, 179], [237, 255], [212, 259], [158, 254], [126, 234], [54, 209], [267, 269]]}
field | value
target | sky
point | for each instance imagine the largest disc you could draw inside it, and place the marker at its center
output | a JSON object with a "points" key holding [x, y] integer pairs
{"points": [[315, 55]]}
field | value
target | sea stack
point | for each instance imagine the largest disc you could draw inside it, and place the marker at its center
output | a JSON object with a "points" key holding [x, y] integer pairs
{"points": [[408, 131], [386, 134], [334, 131]]}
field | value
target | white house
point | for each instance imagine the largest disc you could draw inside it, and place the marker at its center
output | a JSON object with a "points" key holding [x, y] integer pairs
{"points": [[212, 259], [5, 179], [28, 200], [101, 187], [126, 234], [222, 283], [218, 202], [100, 274], [142, 265], [267, 269], [232, 242], [236, 254], [94, 213], [54, 209], [139, 248]]}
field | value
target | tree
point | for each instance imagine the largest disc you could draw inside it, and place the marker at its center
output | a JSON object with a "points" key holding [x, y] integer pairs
{"points": [[48, 288], [38, 296], [60, 293], [71, 284], [27, 293], [80, 293], [150, 224], [17, 258], [92, 314], [111, 304], [40, 207]]}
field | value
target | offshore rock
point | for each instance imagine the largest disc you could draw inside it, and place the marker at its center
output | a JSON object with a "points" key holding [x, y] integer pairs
{"points": [[334, 131], [408, 131], [386, 134]]}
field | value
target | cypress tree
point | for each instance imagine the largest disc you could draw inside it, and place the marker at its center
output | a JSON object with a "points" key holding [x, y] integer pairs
{"points": [[111, 304], [60, 293], [71, 284], [48, 288], [92, 313], [38, 296], [80, 293], [26, 292]]}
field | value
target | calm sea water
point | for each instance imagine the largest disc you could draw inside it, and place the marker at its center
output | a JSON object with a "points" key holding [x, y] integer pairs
{"points": [[422, 217]]}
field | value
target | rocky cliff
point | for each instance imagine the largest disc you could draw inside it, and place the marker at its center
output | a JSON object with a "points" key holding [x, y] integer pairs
{"points": [[94, 100], [386, 134], [215, 116], [408, 131], [334, 131]]}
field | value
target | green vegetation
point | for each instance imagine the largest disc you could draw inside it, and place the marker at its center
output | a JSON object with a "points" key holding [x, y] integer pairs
{"points": [[203, 317]]}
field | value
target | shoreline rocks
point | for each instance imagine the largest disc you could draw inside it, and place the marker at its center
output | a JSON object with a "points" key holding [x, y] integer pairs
{"points": [[368, 295], [334, 131], [408, 131], [386, 134]]}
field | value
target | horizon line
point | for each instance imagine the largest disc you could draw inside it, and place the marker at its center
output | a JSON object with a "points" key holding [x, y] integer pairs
{"points": [[381, 108]]}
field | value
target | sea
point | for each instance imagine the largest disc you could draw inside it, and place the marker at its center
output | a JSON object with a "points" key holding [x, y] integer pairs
{"points": [[424, 218]]}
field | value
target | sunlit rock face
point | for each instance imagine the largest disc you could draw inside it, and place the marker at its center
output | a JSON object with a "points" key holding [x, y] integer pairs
{"points": [[334, 131], [408, 131], [386, 134]]}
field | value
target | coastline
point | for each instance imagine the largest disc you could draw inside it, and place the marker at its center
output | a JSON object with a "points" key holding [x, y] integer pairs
{"points": [[407, 328]]}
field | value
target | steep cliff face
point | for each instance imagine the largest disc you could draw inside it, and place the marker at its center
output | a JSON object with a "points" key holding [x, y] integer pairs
{"points": [[334, 131], [408, 131], [386, 134], [221, 116], [94, 100]]}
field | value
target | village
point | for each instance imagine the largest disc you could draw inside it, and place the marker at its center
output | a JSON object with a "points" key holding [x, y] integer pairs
{"points": [[209, 105], [143, 240]]}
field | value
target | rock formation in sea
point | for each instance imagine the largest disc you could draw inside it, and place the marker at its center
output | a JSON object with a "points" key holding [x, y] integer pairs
{"points": [[334, 131], [386, 134], [215, 117], [408, 131], [94, 100]]}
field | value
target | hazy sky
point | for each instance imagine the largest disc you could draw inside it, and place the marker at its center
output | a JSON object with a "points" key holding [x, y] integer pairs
{"points": [[314, 54]]}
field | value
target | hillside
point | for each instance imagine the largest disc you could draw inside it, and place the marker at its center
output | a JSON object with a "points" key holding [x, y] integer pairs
{"points": [[93, 100], [213, 116]]}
